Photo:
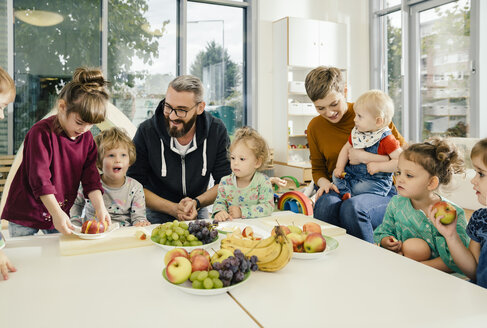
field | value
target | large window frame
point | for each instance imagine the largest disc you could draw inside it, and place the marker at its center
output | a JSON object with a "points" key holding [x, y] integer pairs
{"points": [[249, 57], [410, 65]]}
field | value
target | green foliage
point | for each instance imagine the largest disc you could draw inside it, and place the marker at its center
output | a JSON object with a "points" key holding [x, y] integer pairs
{"points": [[213, 54]]}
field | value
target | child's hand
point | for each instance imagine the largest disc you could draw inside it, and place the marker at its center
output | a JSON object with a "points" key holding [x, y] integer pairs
{"points": [[103, 215], [278, 181], [447, 230], [222, 216], [142, 223], [373, 168], [337, 172], [391, 243], [62, 223], [5, 266], [235, 212]]}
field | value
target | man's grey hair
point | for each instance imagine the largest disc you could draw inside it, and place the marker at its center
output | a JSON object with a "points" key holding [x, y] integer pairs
{"points": [[188, 83]]}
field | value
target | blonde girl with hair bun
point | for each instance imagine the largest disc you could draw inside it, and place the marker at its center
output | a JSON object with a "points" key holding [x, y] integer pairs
{"points": [[246, 193], [59, 154]]}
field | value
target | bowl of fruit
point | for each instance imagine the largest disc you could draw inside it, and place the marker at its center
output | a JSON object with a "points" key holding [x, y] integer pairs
{"points": [[309, 241], [196, 234], [199, 274]]}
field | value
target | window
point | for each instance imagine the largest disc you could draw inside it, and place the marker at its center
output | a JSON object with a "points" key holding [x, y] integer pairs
{"points": [[216, 55], [435, 84], [141, 45]]}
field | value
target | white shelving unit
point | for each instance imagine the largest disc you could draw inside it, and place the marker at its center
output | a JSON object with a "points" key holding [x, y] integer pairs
{"points": [[299, 45]]}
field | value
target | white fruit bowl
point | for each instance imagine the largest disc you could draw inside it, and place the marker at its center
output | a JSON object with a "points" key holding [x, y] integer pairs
{"points": [[331, 245], [230, 226], [214, 244], [77, 232], [187, 286]]}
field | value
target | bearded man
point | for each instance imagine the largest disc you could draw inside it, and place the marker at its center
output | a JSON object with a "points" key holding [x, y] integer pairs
{"points": [[177, 151]]}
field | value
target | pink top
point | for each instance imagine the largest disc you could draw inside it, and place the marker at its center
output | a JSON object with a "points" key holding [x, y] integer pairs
{"points": [[52, 164]]}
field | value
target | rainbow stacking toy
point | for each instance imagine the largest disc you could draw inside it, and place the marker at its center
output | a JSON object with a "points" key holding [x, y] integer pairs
{"points": [[296, 202]]}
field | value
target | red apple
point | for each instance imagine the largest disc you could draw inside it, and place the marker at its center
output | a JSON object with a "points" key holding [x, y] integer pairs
{"points": [[314, 243], [178, 270], [248, 232], [298, 241], [312, 227], [446, 210], [173, 253], [200, 263], [285, 229], [93, 226], [199, 251]]}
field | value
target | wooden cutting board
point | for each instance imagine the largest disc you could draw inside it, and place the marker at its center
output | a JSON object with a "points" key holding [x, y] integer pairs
{"points": [[299, 220], [119, 239]]}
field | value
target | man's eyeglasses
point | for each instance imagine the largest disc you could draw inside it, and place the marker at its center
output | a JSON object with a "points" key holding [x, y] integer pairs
{"points": [[181, 113]]}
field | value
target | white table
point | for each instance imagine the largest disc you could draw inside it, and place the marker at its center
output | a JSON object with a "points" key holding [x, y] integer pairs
{"points": [[357, 285], [362, 285], [112, 289]]}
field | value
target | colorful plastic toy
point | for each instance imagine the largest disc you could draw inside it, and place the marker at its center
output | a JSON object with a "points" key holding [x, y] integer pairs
{"points": [[295, 201]]}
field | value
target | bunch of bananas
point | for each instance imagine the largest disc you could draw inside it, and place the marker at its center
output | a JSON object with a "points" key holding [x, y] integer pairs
{"points": [[273, 253]]}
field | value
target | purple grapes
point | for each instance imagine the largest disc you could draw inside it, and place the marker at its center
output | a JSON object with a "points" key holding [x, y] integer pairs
{"points": [[203, 231]]}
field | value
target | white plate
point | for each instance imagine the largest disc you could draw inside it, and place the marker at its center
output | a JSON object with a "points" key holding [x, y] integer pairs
{"points": [[187, 286], [331, 244], [230, 226], [214, 244], [112, 227]]}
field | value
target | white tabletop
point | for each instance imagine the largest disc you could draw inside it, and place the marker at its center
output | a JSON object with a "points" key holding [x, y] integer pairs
{"points": [[362, 285], [356, 285], [112, 289]]}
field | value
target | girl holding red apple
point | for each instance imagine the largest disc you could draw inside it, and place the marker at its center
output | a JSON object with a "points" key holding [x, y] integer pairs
{"points": [[472, 260], [406, 229]]}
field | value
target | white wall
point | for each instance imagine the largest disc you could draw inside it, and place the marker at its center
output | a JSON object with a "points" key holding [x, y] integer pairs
{"points": [[352, 12]]}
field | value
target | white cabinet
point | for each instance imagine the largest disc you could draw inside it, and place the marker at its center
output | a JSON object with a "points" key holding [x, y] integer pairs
{"points": [[312, 43], [299, 45]]}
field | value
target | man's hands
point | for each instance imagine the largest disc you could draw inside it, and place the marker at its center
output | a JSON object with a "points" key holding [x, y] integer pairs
{"points": [[186, 209]]}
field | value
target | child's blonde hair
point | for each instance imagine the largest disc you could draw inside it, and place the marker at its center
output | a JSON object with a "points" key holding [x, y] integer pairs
{"points": [[110, 139], [7, 85], [254, 141], [86, 95], [378, 104], [480, 150], [438, 157], [322, 80]]}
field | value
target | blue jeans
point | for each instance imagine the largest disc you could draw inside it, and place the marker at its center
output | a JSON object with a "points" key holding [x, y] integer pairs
{"points": [[17, 230], [359, 215], [357, 186]]}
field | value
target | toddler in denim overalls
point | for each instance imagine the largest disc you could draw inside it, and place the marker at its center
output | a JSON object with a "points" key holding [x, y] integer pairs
{"points": [[373, 113]]}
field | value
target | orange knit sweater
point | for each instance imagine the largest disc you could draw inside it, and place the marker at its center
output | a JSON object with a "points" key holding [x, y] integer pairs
{"points": [[326, 139]]}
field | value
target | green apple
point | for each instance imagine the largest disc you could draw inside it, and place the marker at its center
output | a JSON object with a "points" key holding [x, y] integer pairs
{"points": [[298, 241], [178, 270], [294, 228], [173, 253], [446, 210], [314, 243], [221, 255]]}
